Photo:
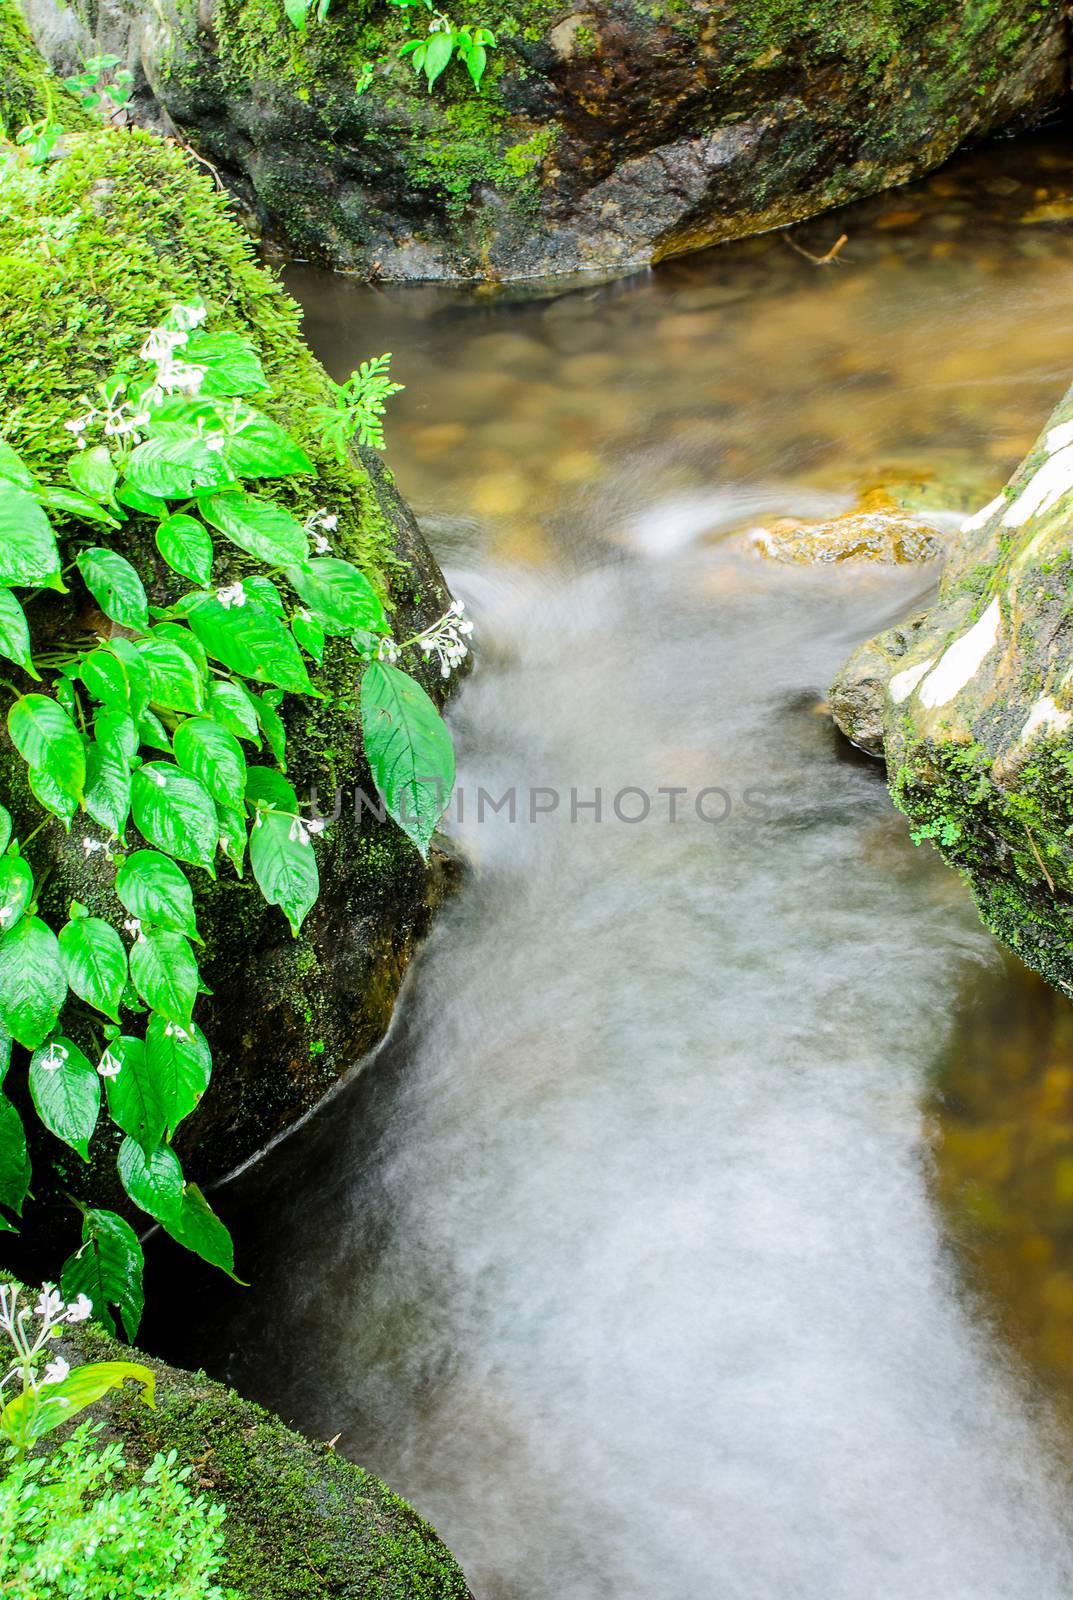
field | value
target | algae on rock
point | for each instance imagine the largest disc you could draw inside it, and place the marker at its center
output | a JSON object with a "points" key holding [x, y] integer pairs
{"points": [[604, 138], [971, 703]]}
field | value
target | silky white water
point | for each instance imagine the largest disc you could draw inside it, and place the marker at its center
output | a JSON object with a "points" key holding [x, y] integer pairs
{"points": [[621, 1261]]}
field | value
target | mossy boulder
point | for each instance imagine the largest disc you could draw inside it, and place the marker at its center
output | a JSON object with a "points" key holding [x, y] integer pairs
{"points": [[604, 138], [95, 247], [303, 1522], [971, 703]]}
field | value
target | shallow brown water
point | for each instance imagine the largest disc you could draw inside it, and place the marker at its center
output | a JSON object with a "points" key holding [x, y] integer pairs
{"points": [[704, 1228]]}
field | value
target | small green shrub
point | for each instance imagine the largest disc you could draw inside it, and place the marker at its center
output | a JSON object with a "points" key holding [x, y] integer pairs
{"points": [[70, 1530]]}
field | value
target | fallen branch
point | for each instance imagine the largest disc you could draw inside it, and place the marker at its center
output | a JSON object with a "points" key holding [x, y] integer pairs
{"points": [[829, 260]]}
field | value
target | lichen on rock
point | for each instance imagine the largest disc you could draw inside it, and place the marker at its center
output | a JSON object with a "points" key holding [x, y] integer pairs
{"points": [[971, 703]]}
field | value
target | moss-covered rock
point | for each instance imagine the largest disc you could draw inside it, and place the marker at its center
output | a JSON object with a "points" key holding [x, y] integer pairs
{"points": [[604, 138], [972, 705], [303, 1523], [94, 248]]}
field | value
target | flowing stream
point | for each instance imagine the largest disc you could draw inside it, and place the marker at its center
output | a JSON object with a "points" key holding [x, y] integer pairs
{"points": [[625, 1258]]}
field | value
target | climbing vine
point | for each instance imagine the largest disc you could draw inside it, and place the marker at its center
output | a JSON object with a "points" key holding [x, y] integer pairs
{"points": [[155, 729]]}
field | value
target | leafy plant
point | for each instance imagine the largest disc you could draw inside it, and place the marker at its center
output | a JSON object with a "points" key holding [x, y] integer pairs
{"points": [[96, 92], [433, 54], [70, 1531], [168, 723], [357, 408], [49, 1395]]}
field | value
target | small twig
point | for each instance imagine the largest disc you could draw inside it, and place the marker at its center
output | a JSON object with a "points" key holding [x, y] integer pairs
{"points": [[205, 162], [829, 260], [1039, 858]]}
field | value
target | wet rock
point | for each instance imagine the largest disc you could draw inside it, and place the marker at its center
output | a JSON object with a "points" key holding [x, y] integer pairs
{"points": [[601, 141], [889, 537], [972, 705]]}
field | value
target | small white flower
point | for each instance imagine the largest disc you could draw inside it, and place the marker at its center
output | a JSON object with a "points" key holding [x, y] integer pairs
{"points": [[55, 1058], [233, 596], [215, 442], [56, 1371], [321, 544], [299, 834], [91, 846], [133, 926], [49, 1305], [79, 1309], [317, 825], [158, 778], [109, 1065], [173, 1031]]}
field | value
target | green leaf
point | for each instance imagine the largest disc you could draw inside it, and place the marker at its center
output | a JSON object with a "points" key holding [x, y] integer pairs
{"points": [[67, 1092], [152, 505], [5, 827], [29, 553], [115, 586], [108, 784], [95, 962], [107, 1270], [309, 633], [117, 729], [151, 731], [232, 826], [93, 473], [164, 971], [250, 640], [234, 708], [14, 1160], [340, 597], [137, 1101], [180, 634], [13, 469], [296, 12], [152, 888], [264, 591], [438, 52], [267, 787], [199, 1228], [257, 526], [15, 634], [186, 546], [106, 678], [44, 788], [229, 362], [175, 467], [272, 727], [180, 1062], [130, 657], [213, 756], [47, 739], [77, 507], [30, 1416], [33, 986], [154, 1181], [175, 813], [284, 864], [408, 749], [174, 680], [16, 890], [250, 444]]}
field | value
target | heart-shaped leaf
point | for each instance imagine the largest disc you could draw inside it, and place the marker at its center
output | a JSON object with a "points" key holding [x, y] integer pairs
{"points": [[67, 1092]]}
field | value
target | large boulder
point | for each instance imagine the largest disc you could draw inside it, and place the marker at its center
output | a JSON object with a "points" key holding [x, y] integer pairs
{"points": [[971, 703], [603, 139], [303, 1522], [95, 247]]}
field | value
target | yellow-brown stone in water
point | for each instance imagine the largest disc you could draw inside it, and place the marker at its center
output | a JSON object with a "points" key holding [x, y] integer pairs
{"points": [[890, 537]]}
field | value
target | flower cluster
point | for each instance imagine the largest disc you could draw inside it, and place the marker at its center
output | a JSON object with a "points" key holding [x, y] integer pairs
{"points": [[30, 1338], [173, 373], [318, 525], [120, 418], [447, 639]]}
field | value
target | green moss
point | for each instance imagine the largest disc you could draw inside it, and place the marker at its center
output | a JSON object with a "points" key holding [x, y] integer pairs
{"points": [[303, 1523], [28, 91]]}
